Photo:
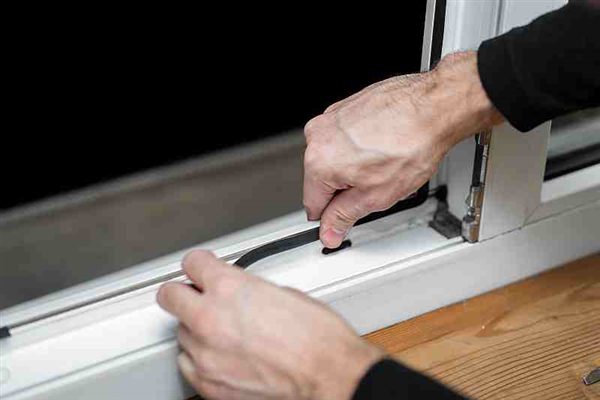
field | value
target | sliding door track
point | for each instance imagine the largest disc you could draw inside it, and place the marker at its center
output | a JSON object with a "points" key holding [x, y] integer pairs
{"points": [[243, 258]]}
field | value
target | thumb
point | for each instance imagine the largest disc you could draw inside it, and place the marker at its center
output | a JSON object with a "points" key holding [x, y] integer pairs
{"points": [[341, 213]]}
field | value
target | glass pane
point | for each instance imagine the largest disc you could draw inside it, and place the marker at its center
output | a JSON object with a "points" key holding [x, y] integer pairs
{"points": [[574, 142]]}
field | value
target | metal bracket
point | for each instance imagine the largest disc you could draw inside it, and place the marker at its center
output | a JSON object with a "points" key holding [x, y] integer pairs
{"points": [[471, 220]]}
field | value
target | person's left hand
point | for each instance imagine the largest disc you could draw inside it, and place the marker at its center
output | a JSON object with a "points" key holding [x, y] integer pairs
{"points": [[243, 337]]}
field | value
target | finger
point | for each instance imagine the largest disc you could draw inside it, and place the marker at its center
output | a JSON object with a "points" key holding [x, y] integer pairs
{"points": [[209, 389], [182, 301], [187, 341], [188, 370], [341, 213], [203, 268], [316, 195]]}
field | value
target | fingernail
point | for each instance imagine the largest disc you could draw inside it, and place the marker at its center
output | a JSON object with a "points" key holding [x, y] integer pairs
{"points": [[333, 237]]}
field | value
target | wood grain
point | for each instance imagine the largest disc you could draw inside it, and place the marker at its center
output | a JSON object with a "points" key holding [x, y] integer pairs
{"points": [[530, 340]]}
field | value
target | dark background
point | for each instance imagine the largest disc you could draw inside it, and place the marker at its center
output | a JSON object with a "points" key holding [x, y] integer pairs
{"points": [[98, 98]]}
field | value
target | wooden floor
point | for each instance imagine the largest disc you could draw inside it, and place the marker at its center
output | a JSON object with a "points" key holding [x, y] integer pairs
{"points": [[531, 340]]}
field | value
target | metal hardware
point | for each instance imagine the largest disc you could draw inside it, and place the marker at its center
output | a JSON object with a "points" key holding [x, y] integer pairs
{"points": [[474, 202], [444, 222], [592, 377], [471, 220]]}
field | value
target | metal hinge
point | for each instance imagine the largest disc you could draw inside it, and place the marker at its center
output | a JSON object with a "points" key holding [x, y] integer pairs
{"points": [[471, 220]]}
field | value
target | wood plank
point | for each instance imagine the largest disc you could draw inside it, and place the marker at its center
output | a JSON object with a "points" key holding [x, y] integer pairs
{"points": [[534, 339]]}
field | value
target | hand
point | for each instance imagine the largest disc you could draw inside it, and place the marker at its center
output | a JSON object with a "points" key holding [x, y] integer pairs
{"points": [[380, 145], [244, 338]]}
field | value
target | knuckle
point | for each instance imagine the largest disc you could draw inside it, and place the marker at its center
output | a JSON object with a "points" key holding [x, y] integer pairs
{"points": [[372, 203], [228, 337], [316, 125], [311, 126], [316, 168], [224, 286], [202, 362], [200, 323], [345, 216], [310, 157], [313, 167], [199, 326]]}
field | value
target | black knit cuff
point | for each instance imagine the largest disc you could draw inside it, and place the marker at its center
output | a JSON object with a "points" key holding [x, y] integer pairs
{"points": [[388, 379], [497, 74]]}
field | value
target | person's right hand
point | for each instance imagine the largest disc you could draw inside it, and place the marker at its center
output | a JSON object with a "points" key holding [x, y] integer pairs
{"points": [[380, 145]]}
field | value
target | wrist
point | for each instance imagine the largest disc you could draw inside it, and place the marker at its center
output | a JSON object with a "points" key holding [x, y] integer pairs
{"points": [[338, 377], [461, 97]]}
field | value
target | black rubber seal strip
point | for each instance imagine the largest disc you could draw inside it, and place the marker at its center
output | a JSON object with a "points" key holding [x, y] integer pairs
{"points": [[566, 163], [278, 246], [4, 332], [346, 243], [312, 235]]}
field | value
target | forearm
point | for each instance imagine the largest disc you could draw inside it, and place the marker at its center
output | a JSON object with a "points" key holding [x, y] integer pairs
{"points": [[459, 99], [547, 68]]}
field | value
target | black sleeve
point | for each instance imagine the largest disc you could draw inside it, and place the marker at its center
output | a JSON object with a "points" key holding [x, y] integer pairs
{"points": [[390, 380], [547, 68]]}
